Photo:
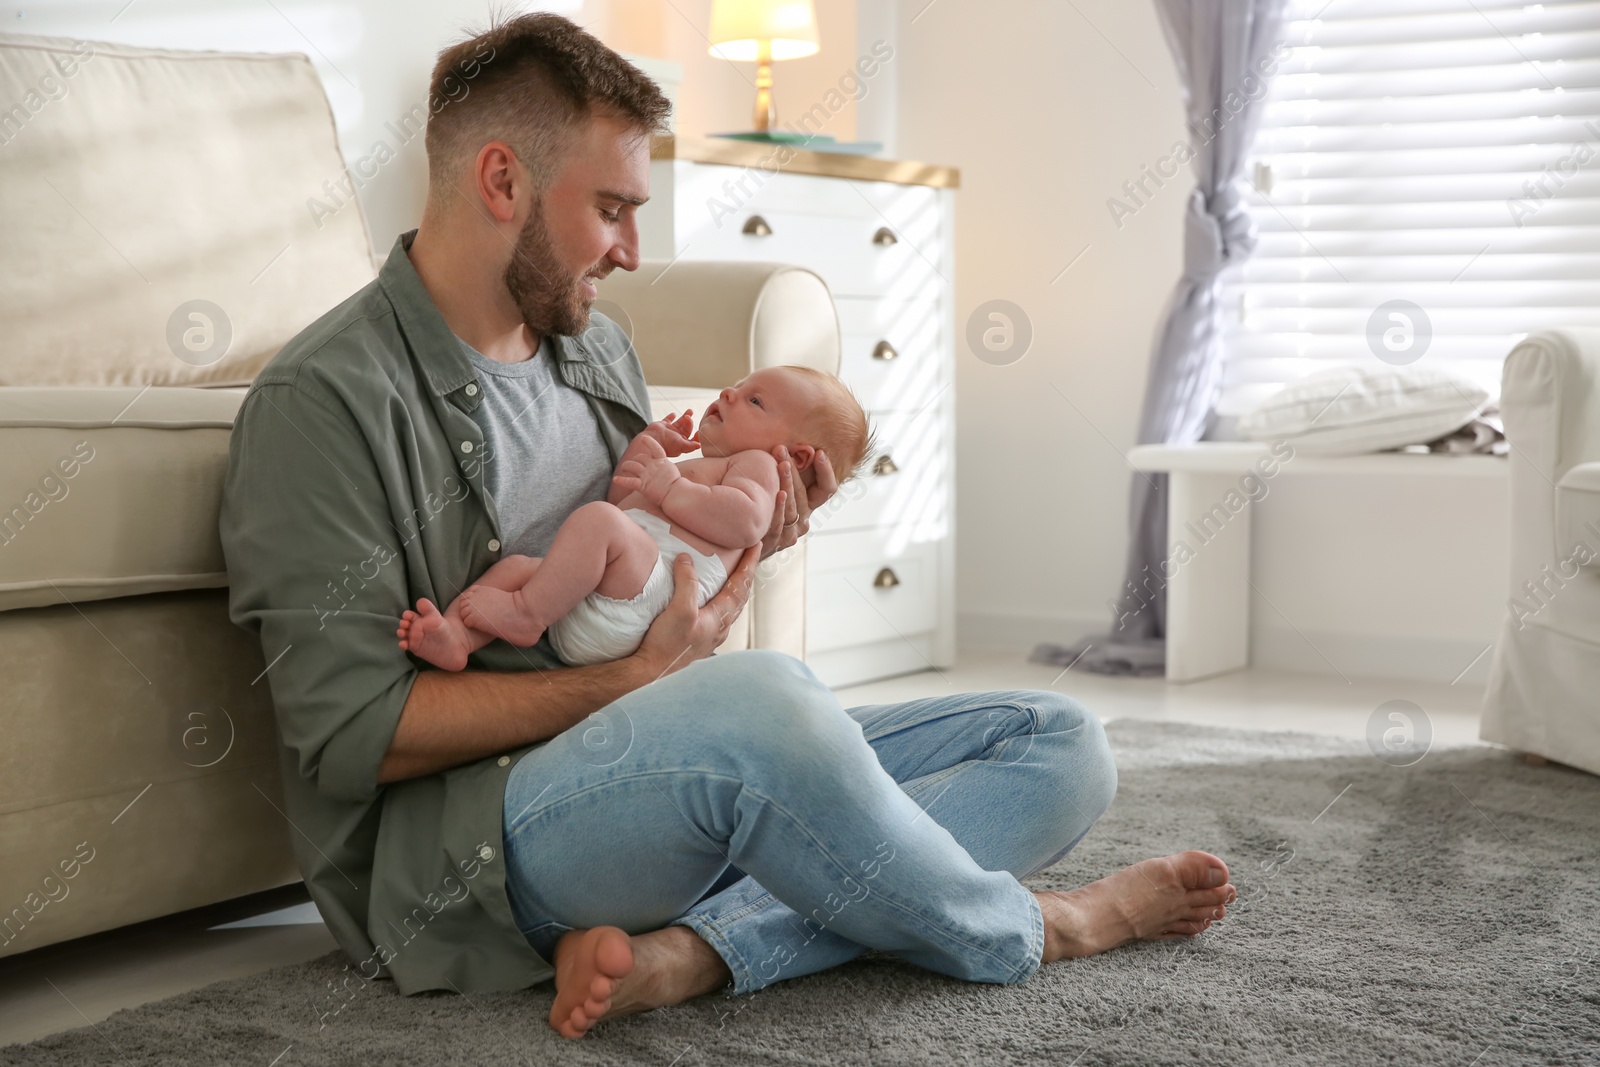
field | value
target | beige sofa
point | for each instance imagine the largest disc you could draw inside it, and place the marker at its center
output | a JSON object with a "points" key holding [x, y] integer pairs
{"points": [[138, 775]]}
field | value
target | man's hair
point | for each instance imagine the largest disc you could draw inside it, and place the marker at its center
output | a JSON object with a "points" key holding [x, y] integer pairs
{"points": [[839, 428], [533, 82]]}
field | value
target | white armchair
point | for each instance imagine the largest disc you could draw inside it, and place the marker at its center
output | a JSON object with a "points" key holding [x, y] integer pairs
{"points": [[1544, 685]]}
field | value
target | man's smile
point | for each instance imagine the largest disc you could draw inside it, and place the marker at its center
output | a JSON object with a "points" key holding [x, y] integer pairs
{"points": [[591, 281]]}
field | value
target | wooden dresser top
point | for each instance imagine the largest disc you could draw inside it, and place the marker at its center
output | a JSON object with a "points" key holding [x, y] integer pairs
{"points": [[803, 161]]}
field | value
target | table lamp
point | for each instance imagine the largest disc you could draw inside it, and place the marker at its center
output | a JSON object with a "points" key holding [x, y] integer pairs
{"points": [[762, 31]]}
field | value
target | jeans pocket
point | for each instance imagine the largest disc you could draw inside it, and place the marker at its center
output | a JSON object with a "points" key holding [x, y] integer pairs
{"points": [[543, 938]]}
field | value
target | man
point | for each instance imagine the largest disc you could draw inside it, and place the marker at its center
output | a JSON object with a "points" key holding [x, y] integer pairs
{"points": [[647, 830]]}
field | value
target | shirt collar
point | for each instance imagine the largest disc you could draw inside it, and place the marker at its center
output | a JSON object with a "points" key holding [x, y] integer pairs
{"points": [[439, 350], [429, 337]]}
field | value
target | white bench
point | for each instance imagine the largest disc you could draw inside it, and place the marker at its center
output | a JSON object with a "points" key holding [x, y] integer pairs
{"points": [[1208, 588]]}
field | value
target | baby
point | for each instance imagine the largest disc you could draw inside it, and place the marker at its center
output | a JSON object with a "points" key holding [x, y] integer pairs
{"points": [[608, 572]]}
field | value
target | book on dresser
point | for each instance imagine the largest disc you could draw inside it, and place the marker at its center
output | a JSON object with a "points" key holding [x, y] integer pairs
{"points": [[880, 559]]}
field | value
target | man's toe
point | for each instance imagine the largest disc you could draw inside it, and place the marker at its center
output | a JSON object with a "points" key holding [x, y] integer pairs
{"points": [[1209, 898], [1201, 870]]}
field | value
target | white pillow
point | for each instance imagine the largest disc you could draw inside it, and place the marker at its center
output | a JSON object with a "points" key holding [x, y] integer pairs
{"points": [[1350, 409]]}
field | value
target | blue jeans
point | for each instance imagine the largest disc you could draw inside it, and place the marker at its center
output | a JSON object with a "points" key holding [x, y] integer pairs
{"points": [[736, 797]]}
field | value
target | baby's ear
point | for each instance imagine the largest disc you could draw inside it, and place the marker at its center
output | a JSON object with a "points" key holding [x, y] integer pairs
{"points": [[802, 456]]}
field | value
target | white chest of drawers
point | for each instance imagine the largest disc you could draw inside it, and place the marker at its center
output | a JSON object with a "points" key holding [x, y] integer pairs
{"points": [[880, 589]]}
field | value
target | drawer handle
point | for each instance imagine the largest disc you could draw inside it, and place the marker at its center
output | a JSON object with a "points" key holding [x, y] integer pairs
{"points": [[886, 579], [884, 350], [756, 226], [885, 465], [885, 237]]}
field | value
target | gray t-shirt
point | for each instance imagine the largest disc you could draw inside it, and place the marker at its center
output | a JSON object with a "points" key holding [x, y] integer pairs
{"points": [[546, 455]]}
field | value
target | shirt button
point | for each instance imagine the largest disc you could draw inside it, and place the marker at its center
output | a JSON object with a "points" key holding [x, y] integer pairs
{"points": [[504, 761], [472, 389], [486, 853], [494, 544], [466, 446]]}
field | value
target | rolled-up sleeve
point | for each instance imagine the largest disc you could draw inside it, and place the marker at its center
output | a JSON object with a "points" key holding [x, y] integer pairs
{"points": [[317, 570]]}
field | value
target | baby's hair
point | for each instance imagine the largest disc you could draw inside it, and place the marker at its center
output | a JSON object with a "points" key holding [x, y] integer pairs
{"points": [[840, 429]]}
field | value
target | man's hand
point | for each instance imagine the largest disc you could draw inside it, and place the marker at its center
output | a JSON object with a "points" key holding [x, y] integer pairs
{"points": [[649, 471], [672, 433], [683, 633], [791, 517]]}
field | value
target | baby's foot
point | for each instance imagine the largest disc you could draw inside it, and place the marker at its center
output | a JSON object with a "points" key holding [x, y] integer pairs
{"points": [[499, 614], [429, 635]]}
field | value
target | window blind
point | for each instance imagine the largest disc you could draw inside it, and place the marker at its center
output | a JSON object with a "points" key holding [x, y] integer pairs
{"points": [[1441, 152]]}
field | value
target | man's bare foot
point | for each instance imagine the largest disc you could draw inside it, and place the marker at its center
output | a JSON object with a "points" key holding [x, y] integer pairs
{"points": [[495, 611], [437, 638], [602, 972], [1155, 899]]}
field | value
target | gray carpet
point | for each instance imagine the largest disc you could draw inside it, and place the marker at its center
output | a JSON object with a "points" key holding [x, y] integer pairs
{"points": [[1443, 913]]}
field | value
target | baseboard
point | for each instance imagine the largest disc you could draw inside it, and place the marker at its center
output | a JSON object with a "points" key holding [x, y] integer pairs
{"points": [[1427, 659], [982, 631], [1420, 658]]}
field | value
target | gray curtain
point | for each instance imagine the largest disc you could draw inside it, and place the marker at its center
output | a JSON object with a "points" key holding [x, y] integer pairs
{"points": [[1225, 51]]}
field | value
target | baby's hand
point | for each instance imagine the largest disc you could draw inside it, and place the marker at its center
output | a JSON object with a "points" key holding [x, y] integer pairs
{"points": [[652, 474], [672, 433]]}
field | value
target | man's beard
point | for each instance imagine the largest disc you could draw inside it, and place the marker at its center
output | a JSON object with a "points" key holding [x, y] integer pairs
{"points": [[550, 298]]}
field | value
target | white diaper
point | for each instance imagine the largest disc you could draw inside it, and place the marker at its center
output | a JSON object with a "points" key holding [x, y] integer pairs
{"points": [[603, 628]]}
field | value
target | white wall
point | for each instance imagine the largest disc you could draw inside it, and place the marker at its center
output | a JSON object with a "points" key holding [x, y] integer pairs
{"points": [[1404, 576], [1046, 120], [717, 95]]}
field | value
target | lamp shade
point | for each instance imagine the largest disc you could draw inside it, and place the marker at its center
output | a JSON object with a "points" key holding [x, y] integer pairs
{"points": [[739, 28]]}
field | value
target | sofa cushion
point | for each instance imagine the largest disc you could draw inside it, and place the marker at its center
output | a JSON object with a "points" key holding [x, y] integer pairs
{"points": [[173, 217], [116, 492], [111, 492], [1578, 518]]}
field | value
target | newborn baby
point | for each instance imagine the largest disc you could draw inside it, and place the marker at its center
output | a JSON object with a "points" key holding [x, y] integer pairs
{"points": [[608, 572]]}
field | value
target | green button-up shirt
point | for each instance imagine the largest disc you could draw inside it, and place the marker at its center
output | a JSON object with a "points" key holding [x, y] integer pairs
{"points": [[356, 485]]}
